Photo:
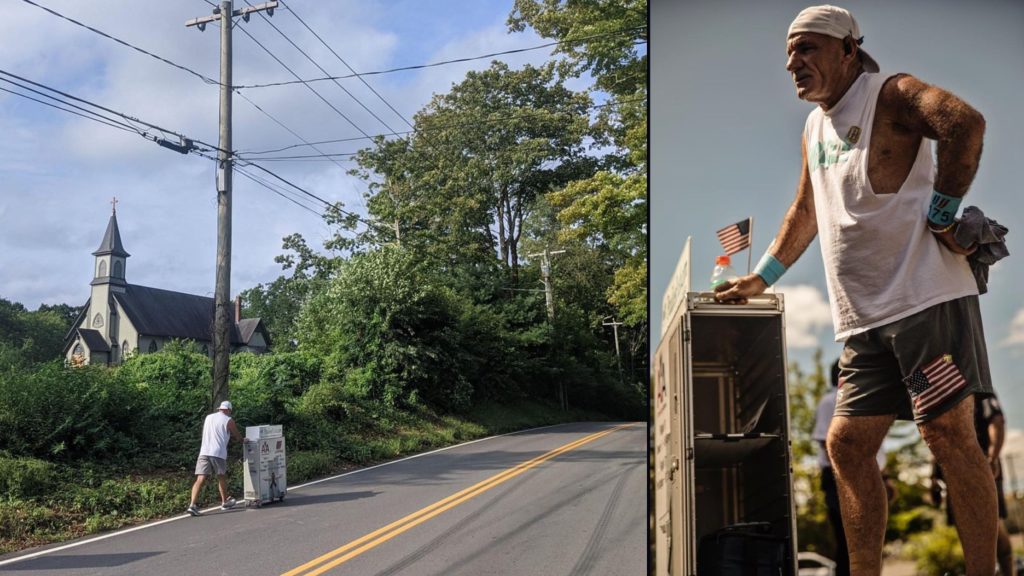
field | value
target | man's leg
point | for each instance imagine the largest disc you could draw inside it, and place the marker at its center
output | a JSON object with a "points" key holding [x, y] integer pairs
{"points": [[853, 443], [200, 478], [972, 490], [222, 485]]}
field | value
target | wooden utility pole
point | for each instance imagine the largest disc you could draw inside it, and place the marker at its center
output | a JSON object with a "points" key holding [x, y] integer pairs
{"points": [[549, 298], [615, 328], [545, 277], [222, 317]]}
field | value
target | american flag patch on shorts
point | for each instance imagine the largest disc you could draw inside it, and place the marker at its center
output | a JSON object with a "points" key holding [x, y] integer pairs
{"points": [[934, 383]]}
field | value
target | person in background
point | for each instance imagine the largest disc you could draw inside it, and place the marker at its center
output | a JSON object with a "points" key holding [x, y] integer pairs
{"points": [[990, 426], [822, 419], [218, 429]]}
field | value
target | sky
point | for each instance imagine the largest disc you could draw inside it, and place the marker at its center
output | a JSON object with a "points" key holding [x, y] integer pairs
{"points": [[58, 172], [725, 145]]}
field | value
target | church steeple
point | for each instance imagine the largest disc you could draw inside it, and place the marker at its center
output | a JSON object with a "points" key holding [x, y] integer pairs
{"points": [[111, 243], [111, 255]]}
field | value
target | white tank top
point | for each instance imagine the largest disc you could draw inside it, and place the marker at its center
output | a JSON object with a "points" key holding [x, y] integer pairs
{"points": [[215, 435], [881, 262]]}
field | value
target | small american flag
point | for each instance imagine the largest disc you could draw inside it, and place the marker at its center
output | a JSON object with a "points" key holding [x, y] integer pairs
{"points": [[937, 381], [735, 237]]}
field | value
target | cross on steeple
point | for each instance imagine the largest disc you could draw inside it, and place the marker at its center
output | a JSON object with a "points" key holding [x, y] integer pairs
{"points": [[113, 204]]}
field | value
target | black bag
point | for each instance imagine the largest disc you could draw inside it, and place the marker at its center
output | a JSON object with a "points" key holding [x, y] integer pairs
{"points": [[742, 550]]}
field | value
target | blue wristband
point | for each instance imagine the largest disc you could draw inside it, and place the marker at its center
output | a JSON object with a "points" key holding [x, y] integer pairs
{"points": [[942, 209], [769, 269]]}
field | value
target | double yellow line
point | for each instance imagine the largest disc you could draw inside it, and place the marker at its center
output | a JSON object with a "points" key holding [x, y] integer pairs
{"points": [[356, 547]]}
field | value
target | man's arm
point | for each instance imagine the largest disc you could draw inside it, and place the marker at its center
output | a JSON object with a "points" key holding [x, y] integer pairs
{"points": [[798, 229], [957, 128], [233, 430]]}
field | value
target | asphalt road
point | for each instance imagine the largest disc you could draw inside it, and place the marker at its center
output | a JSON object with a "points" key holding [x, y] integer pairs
{"points": [[563, 500]]}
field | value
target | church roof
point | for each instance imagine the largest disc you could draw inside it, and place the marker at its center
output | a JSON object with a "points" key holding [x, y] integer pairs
{"points": [[248, 326], [93, 340], [111, 243], [156, 312]]}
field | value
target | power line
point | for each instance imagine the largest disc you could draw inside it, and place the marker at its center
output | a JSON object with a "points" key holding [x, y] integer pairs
{"points": [[119, 41], [86, 116], [109, 110], [308, 156], [342, 60], [89, 114], [446, 62], [202, 77], [96, 117], [357, 217], [283, 125], [269, 186], [285, 66], [321, 68], [442, 127]]}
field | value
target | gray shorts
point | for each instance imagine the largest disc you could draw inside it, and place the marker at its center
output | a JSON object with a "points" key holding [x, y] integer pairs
{"points": [[918, 367], [210, 465]]}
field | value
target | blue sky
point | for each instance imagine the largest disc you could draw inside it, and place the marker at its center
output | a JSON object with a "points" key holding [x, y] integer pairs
{"points": [[58, 172], [725, 144]]}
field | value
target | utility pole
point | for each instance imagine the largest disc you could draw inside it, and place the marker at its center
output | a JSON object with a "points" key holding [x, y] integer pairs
{"points": [[615, 328], [222, 317], [549, 297], [545, 277]]}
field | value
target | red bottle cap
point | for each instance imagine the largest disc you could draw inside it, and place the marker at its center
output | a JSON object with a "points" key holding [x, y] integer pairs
{"points": [[722, 261]]}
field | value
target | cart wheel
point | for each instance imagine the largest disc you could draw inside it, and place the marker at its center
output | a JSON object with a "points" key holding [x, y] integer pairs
{"points": [[281, 498]]}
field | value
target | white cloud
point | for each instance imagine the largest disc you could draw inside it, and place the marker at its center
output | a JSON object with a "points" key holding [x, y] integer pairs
{"points": [[807, 315], [1016, 336]]}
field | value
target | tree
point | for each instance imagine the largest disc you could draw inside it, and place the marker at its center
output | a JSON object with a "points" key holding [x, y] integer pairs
{"points": [[37, 336], [482, 153], [388, 329], [609, 209], [600, 37]]}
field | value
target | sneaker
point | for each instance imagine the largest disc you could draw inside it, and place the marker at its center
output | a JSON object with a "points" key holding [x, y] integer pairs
{"points": [[194, 510], [229, 503]]}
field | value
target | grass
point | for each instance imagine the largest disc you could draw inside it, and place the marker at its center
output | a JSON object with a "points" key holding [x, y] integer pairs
{"points": [[92, 498]]}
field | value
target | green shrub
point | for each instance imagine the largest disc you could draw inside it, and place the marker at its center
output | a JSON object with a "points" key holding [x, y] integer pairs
{"points": [[25, 478], [906, 522], [174, 388], [262, 386], [309, 465], [937, 551], [52, 411], [21, 521]]}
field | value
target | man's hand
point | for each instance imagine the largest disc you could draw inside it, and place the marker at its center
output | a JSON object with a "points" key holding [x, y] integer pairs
{"points": [[737, 290], [947, 239]]}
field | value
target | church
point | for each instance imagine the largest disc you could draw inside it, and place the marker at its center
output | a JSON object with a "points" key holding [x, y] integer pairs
{"points": [[120, 319]]}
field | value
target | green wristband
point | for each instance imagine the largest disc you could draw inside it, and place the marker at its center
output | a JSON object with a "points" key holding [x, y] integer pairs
{"points": [[942, 209], [769, 269]]}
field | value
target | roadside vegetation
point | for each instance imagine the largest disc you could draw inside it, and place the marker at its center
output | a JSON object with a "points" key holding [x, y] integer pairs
{"points": [[96, 448], [420, 324]]}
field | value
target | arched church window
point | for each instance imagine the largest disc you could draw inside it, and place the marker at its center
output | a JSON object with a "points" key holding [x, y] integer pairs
{"points": [[103, 269], [78, 351], [97, 321], [124, 347], [118, 270], [152, 346]]}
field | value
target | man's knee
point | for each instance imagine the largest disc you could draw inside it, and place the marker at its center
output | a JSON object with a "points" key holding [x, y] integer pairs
{"points": [[951, 430], [852, 441]]}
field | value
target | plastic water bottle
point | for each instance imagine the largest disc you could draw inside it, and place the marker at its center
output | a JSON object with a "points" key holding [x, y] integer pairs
{"points": [[723, 271]]}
